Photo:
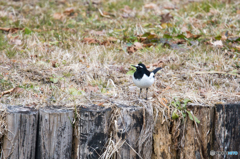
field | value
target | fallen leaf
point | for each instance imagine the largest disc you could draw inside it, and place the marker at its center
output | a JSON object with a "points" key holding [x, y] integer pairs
{"points": [[150, 6], [90, 41], [170, 7], [58, 16], [238, 11], [55, 64], [91, 89], [138, 45], [68, 11], [166, 18], [11, 30], [131, 49], [238, 47], [158, 64], [128, 12], [148, 45], [190, 35], [98, 33], [17, 90], [184, 29], [112, 39], [217, 43]]}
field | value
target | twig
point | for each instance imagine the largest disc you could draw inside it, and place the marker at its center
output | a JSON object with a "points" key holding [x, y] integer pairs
{"points": [[160, 100], [6, 92]]}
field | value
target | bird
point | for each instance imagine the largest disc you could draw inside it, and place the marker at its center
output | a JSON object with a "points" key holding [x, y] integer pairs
{"points": [[143, 78]]}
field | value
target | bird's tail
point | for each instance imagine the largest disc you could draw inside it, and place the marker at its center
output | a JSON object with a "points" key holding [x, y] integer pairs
{"points": [[156, 70]]}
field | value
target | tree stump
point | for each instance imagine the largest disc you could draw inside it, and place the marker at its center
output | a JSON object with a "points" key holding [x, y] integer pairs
{"points": [[127, 131], [91, 132], [133, 132], [196, 139], [55, 133], [20, 140], [162, 138], [227, 130]]}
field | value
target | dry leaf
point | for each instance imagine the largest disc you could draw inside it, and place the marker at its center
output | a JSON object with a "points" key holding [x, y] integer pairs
{"points": [[58, 16], [166, 18], [131, 49], [217, 43], [91, 89], [138, 45], [11, 30], [170, 7], [148, 45], [98, 33], [68, 11], [184, 29], [127, 12], [112, 39], [238, 11], [158, 64], [16, 41], [151, 6], [17, 90], [90, 41], [238, 47], [190, 35]]}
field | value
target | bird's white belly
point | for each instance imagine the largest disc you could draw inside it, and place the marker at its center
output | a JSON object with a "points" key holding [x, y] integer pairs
{"points": [[145, 81]]}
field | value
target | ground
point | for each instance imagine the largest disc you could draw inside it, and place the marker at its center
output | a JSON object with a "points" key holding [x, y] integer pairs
{"points": [[80, 52]]}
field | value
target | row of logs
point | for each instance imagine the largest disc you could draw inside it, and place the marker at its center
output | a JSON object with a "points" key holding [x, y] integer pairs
{"points": [[120, 132]]}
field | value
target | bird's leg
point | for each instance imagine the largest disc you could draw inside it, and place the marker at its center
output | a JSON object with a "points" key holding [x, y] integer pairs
{"points": [[146, 92], [140, 92]]}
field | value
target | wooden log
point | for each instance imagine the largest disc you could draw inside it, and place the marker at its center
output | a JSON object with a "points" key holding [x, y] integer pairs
{"points": [[91, 132], [20, 139], [127, 131], [55, 133], [227, 130], [196, 139], [133, 132], [162, 138]]}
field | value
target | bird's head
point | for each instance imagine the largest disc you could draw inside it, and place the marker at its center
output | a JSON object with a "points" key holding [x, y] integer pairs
{"points": [[140, 66]]}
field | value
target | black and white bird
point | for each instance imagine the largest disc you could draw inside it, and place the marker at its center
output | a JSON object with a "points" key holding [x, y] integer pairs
{"points": [[144, 78]]}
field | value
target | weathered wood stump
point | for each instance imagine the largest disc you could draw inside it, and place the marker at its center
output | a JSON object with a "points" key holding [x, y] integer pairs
{"points": [[227, 130], [196, 139], [55, 133], [133, 132], [184, 140], [91, 132], [162, 138], [20, 140]]}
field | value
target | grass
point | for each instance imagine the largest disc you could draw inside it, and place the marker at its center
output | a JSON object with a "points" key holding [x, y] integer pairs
{"points": [[54, 58]]}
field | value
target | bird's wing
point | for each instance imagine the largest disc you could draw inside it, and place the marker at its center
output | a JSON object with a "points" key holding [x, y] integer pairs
{"points": [[157, 69]]}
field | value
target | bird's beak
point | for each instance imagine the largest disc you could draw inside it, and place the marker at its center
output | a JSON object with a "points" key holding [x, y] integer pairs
{"points": [[135, 66]]}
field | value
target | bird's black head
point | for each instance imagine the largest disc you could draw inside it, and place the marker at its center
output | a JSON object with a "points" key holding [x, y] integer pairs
{"points": [[140, 66]]}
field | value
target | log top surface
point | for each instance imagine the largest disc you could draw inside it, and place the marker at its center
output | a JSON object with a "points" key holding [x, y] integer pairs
{"points": [[21, 109], [94, 108], [56, 109]]}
